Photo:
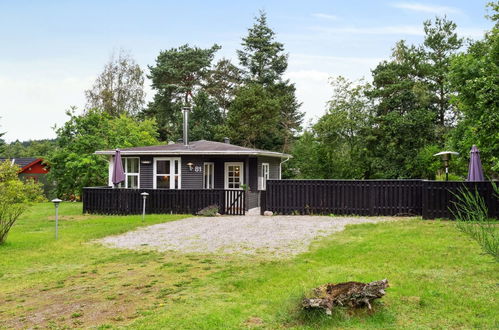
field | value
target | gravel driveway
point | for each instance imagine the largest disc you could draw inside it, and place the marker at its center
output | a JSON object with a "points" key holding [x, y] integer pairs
{"points": [[276, 235]]}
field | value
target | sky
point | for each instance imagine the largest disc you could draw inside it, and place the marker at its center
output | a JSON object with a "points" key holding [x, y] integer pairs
{"points": [[52, 51]]}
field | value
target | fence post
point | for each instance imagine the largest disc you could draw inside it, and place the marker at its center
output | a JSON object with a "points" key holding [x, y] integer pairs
{"points": [[263, 201], [371, 198], [424, 195]]}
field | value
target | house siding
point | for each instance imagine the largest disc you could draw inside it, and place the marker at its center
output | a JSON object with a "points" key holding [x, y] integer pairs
{"points": [[252, 199], [274, 168], [194, 180], [253, 174], [146, 172]]}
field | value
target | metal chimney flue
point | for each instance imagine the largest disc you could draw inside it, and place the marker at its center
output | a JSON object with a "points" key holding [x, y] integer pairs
{"points": [[186, 111]]}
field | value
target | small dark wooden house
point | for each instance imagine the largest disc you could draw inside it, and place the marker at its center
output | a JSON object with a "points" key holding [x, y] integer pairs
{"points": [[187, 176], [199, 165]]}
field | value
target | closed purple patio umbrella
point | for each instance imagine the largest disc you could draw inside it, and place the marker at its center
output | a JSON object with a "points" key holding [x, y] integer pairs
{"points": [[475, 171], [118, 173]]}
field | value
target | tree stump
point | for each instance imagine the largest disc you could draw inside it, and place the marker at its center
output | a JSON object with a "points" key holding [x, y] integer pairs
{"points": [[348, 294]]}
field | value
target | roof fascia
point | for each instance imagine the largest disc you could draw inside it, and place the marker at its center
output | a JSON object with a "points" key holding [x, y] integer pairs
{"points": [[187, 152], [38, 160]]}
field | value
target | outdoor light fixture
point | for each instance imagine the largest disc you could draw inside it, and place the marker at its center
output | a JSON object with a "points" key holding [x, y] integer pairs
{"points": [[146, 162], [191, 166], [56, 202], [446, 157], [144, 197]]}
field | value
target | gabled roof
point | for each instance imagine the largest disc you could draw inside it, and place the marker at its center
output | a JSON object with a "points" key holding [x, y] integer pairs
{"points": [[201, 147], [23, 162]]}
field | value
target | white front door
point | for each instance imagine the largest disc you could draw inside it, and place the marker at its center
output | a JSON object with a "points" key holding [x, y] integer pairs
{"points": [[234, 175], [167, 173]]}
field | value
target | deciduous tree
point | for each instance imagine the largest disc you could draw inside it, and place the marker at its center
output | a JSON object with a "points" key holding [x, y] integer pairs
{"points": [[475, 79], [2, 142], [403, 122], [119, 89], [337, 140], [15, 197], [74, 164]]}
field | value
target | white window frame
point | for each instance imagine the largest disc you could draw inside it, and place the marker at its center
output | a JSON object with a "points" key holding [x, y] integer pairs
{"points": [[210, 166], [172, 170], [125, 183], [264, 175], [137, 174], [226, 174]]}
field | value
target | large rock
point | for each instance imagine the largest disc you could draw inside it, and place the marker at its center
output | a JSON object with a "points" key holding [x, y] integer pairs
{"points": [[268, 213]]}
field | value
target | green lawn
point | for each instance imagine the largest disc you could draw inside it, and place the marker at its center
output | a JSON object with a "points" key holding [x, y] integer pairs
{"points": [[439, 279]]}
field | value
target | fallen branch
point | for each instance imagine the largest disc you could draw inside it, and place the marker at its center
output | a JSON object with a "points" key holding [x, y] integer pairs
{"points": [[348, 294]]}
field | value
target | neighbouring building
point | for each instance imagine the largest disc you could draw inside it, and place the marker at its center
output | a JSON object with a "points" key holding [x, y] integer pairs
{"points": [[31, 168]]}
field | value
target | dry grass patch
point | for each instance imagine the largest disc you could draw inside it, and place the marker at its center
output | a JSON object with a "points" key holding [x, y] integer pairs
{"points": [[110, 293]]}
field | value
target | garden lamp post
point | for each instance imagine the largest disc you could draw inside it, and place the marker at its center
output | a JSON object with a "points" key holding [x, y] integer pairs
{"points": [[144, 197], [446, 156], [56, 202]]}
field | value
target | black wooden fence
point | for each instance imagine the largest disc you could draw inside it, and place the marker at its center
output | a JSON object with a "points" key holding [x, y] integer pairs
{"points": [[439, 197], [431, 199], [106, 200]]}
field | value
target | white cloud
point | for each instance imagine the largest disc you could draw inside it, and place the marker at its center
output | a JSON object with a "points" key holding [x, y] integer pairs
{"points": [[326, 16], [475, 33], [34, 98], [311, 74], [381, 30], [426, 8], [313, 90]]}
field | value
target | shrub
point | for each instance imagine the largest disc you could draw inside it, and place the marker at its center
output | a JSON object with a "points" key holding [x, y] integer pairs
{"points": [[471, 215], [209, 211], [15, 197]]}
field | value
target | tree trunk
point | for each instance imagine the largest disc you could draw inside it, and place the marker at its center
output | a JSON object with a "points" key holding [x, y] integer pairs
{"points": [[348, 294]]}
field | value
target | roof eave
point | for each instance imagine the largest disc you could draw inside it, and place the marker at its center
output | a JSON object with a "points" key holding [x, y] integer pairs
{"points": [[192, 152], [25, 167]]}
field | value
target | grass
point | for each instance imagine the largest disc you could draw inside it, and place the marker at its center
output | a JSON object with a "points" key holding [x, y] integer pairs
{"points": [[439, 279]]}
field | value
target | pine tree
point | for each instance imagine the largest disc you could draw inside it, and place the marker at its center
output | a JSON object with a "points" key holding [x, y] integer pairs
{"points": [[262, 57], [179, 74], [441, 42], [264, 63]]}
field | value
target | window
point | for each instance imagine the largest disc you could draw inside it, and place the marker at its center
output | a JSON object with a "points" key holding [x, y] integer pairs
{"points": [[33, 178], [265, 175], [167, 173], [131, 168], [233, 175], [208, 176]]}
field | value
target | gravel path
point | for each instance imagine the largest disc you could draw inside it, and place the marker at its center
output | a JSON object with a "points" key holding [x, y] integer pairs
{"points": [[277, 235]]}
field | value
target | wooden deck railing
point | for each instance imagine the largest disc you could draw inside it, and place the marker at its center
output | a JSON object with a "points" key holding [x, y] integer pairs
{"points": [[106, 200]]}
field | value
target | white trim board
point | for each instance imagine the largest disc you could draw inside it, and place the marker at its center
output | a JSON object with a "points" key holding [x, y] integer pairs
{"points": [[190, 152], [226, 176], [172, 166]]}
